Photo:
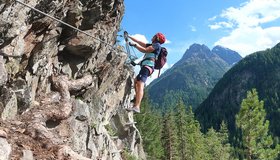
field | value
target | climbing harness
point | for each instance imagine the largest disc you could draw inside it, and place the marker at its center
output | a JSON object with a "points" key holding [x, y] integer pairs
{"points": [[77, 29]]}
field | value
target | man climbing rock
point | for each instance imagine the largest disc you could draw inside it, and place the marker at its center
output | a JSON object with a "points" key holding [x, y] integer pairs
{"points": [[147, 65]]}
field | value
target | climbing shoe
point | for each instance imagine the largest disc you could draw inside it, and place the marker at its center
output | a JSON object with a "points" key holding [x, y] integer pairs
{"points": [[134, 109]]}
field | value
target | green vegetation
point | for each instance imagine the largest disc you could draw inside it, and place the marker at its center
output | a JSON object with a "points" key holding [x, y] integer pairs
{"points": [[110, 130], [256, 142], [150, 123], [234, 123], [176, 134], [260, 70], [127, 156]]}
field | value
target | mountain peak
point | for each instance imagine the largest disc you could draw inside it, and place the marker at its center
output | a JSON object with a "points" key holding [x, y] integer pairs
{"points": [[191, 78], [219, 47], [199, 47], [197, 50], [228, 55]]}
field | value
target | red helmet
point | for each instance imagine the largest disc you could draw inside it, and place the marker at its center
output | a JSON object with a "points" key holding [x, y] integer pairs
{"points": [[161, 38]]}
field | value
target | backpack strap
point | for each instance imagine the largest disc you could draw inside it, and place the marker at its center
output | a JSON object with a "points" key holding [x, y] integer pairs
{"points": [[158, 73]]}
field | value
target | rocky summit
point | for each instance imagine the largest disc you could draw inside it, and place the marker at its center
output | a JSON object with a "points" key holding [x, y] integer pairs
{"points": [[190, 79], [63, 91]]}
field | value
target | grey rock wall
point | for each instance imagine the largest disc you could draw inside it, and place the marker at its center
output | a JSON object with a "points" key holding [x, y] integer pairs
{"points": [[63, 93]]}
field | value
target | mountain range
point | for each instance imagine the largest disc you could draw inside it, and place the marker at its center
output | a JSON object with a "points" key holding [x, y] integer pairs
{"points": [[260, 70], [193, 76]]}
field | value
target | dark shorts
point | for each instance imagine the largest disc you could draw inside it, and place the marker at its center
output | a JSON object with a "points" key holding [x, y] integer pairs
{"points": [[144, 73]]}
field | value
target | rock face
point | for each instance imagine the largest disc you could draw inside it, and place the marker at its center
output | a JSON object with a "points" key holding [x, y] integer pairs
{"points": [[62, 92]]}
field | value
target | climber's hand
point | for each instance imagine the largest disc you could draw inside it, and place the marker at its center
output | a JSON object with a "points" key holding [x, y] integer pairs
{"points": [[125, 33], [133, 63]]}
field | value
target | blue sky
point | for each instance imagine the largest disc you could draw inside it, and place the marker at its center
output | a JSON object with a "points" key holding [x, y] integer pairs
{"points": [[245, 26]]}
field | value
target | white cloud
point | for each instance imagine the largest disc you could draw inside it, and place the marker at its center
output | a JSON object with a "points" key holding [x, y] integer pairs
{"points": [[193, 29], [219, 25], [249, 40], [215, 26], [248, 34], [140, 37], [253, 13], [212, 18], [167, 41]]}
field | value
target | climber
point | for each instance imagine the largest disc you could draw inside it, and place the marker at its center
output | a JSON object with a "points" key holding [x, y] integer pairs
{"points": [[147, 65]]}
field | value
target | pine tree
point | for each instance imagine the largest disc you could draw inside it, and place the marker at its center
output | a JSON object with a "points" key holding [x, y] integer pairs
{"points": [[150, 125], [216, 150], [170, 136], [256, 141], [195, 140], [153, 139], [223, 134], [181, 119]]}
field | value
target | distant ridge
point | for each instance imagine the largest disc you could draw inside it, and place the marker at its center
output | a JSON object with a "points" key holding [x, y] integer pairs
{"points": [[230, 56], [260, 70], [191, 78]]}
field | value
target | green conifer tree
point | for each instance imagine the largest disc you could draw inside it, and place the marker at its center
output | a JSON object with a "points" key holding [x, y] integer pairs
{"points": [[150, 126], [170, 136], [195, 140], [223, 134], [181, 119], [256, 141], [216, 150]]}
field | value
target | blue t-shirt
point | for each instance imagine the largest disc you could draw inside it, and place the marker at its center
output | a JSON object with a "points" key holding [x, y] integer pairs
{"points": [[152, 55]]}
